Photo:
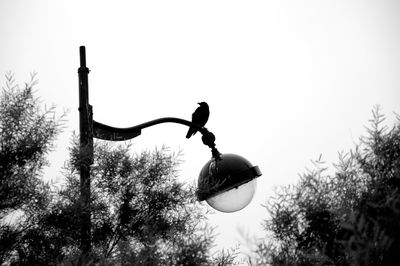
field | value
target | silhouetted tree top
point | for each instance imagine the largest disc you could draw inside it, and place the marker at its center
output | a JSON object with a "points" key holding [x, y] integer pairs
{"points": [[141, 213], [27, 134], [349, 217]]}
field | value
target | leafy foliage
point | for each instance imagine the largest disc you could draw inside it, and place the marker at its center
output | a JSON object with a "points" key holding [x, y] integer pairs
{"points": [[349, 217], [140, 213], [27, 134]]}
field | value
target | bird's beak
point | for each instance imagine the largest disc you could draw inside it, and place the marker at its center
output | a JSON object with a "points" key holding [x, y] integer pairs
{"points": [[198, 103]]}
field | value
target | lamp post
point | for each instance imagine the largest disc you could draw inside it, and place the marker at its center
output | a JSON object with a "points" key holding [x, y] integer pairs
{"points": [[227, 182]]}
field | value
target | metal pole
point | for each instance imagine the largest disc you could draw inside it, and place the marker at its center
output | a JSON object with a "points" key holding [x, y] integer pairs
{"points": [[86, 153]]}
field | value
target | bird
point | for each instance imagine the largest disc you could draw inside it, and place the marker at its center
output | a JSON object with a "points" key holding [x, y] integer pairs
{"points": [[199, 117]]}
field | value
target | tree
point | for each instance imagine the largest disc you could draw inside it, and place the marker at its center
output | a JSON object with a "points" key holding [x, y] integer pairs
{"points": [[349, 217], [141, 214], [27, 134]]}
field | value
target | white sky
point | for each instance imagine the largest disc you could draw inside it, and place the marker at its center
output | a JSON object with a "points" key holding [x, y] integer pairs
{"points": [[285, 80]]}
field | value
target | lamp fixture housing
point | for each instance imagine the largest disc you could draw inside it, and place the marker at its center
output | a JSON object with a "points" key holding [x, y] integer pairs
{"points": [[227, 182]]}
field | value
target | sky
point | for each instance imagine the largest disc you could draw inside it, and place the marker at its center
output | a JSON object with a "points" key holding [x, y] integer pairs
{"points": [[286, 81]]}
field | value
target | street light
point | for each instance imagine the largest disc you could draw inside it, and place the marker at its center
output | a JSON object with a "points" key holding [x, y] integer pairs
{"points": [[227, 182]]}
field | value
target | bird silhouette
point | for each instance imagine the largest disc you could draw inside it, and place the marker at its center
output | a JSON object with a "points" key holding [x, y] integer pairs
{"points": [[199, 117]]}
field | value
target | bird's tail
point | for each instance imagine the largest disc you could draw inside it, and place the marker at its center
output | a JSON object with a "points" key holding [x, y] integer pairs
{"points": [[190, 132]]}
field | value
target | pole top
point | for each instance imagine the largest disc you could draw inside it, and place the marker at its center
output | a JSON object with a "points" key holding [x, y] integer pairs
{"points": [[82, 54]]}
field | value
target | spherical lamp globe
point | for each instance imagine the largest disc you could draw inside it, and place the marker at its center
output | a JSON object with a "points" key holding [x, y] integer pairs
{"points": [[228, 182]]}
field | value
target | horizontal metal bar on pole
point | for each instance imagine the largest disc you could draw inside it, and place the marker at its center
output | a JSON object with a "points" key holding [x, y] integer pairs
{"points": [[105, 132]]}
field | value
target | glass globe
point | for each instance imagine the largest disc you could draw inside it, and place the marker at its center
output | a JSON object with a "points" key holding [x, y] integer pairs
{"points": [[234, 199], [227, 182]]}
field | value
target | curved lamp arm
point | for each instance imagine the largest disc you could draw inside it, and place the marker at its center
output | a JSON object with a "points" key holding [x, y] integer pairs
{"points": [[106, 132]]}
